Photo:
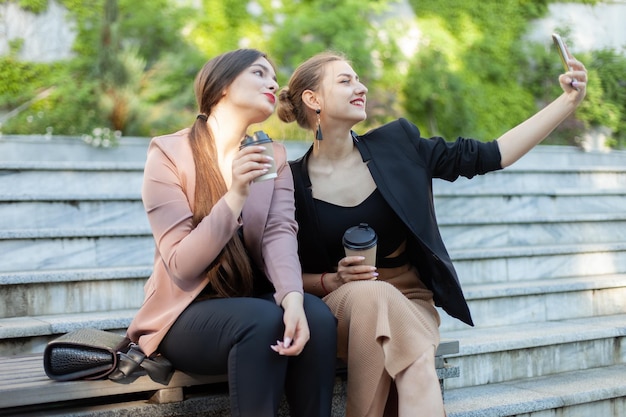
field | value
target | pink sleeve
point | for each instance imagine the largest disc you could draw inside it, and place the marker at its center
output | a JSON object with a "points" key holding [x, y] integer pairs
{"points": [[185, 252], [280, 242]]}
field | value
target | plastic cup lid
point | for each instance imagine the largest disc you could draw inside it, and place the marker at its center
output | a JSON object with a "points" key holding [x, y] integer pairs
{"points": [[257, 137], [360, 237]]}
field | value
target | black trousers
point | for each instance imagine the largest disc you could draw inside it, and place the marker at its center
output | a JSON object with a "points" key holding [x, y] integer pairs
{"points": [[233, 335]]}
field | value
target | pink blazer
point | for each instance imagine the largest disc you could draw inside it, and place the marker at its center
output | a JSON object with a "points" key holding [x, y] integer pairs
{"points": [[183, 253]]}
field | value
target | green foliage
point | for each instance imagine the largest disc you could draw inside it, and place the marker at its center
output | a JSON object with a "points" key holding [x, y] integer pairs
{"points": [[222, 25], [20, 81], [118, 46], [605, 104], [320, 25], [355, 28], [167, 101], [33, 6], [456, 67], [463, 80]]}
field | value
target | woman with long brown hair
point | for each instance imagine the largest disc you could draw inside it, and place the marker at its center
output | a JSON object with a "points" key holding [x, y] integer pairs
{"points": [[226, 295]]}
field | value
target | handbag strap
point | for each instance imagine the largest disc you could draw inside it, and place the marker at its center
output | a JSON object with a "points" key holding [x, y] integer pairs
{"points": [[158, 368]]}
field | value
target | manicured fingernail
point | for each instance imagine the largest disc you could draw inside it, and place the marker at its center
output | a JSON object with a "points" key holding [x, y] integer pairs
{"points": [[274, 348], [287, 342]]}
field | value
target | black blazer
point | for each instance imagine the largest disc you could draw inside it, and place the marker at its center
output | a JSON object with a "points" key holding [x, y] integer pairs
{"points": [[403, 165]]}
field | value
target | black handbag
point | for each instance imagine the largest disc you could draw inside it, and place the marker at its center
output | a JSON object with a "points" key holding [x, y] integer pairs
{"points": [[90, 353]]}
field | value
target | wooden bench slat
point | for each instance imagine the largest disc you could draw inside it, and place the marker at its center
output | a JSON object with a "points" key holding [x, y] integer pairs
{"points": [[23, 382], [37, 388]]}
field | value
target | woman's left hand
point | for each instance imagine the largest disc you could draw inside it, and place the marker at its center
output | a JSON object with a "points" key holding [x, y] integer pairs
{"points": [[574, 82], [297, 332]]}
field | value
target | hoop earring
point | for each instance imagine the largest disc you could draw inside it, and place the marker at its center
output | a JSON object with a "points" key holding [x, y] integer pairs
{"points": [[318, 131]]}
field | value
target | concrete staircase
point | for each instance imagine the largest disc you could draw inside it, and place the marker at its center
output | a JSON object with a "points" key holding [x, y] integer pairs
{"points": [[540, 249]]}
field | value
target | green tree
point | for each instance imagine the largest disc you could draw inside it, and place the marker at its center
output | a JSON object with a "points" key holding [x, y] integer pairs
{"points": [[464, 79], [355, 28], [118, 44]]}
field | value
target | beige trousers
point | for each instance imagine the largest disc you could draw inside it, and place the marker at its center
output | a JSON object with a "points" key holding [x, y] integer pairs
{"points": [[383, 327]]}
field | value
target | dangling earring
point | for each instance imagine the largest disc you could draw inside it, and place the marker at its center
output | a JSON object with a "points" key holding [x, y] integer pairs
{"points": [[318, 131]]}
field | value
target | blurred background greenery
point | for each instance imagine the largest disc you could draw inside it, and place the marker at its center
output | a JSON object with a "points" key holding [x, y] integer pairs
{"points": [[454, 67]]}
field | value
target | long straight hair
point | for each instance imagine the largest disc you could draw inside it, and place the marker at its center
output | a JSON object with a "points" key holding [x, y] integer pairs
{"points": [[231, 273]]}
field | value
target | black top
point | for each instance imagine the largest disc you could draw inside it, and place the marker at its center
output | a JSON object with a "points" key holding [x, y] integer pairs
{"points": [[374, 211], [403, 165]]}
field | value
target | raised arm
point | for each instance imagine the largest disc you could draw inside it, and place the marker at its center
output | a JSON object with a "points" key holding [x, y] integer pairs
{"points": [[516, 142]]}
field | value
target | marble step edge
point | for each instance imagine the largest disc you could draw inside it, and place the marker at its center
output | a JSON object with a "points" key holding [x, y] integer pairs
{"points": [[138, 164], [55, 197], [472, 291], [116, 320], [481, 253], [32, 326], [82, 232], [475, 254], [460, 193], [533, 395], [478, 341], [582, 217], [590, 217], [74, 275], [494, 191], [472, 341], [72, 166], [505, 289]]}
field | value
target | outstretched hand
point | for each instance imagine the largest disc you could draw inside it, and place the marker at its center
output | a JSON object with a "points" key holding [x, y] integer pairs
{"points": [[574, 81]]}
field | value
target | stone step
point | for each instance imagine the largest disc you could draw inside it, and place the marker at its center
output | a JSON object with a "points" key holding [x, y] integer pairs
{"points": [[72, 214], [536, 180], [498, 354], [590, 392], [20, 178], [30, 334], [513, 352], [89, 219], [75, 181], [44, 292], [47, 148], [34, 148], [490, 232], [516, 206], [522, 302], [65, 210], [39, 293], [51, 181], [477, 265], [59, 148], [81, 249], [45, 249]]}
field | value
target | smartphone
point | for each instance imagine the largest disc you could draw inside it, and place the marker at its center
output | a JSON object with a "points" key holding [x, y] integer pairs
{"points": [[562, 50], [560, 47]]}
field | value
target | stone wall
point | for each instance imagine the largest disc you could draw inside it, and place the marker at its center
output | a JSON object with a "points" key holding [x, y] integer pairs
{"points": [[48, 36], [591, 27]]}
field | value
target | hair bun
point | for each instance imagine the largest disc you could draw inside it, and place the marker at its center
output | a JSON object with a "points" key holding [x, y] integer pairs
{"points": [[286, 109]]}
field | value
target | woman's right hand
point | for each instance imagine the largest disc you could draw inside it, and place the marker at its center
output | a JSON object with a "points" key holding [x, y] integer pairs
{"points": [[248, 164], [350, 269]]}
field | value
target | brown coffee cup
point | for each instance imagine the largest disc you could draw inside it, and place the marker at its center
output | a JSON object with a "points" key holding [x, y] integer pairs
{"points": [[361, 240], [261, 138]]}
